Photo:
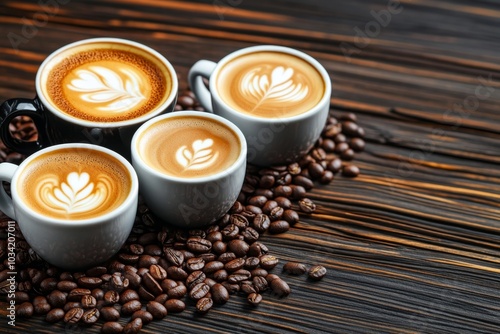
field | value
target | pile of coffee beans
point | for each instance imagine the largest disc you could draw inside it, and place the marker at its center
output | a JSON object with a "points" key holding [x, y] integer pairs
{"points": [[162, 270]]}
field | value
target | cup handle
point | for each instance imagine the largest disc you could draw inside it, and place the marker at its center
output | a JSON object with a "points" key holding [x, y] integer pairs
{"points": [[201, 69], [7, 171], [22, 107]]}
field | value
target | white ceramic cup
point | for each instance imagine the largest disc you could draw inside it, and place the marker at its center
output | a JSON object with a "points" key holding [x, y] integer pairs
{"points": [[70, 243], [189, 202], [270, 141]]}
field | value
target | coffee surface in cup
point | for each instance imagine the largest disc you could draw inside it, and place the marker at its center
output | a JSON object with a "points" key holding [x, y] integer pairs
{"points": [[74, 184], [270, 84], [189, 147], [106, 82]]}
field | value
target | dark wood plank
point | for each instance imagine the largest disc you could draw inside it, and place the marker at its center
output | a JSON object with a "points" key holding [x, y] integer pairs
{"points": [[413, 244]]}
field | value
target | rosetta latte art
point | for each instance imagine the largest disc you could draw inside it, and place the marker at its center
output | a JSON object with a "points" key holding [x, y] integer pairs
{"points": [[262, 86], [77, 194], [201, 156], [108, 90]]}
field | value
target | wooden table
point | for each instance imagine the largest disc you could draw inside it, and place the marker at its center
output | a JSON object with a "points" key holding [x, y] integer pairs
{"points": [[413, 244]]}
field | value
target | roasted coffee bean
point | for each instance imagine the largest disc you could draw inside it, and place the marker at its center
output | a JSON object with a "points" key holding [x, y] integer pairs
{"points": [[133, 278], [145, 316], [147, 238], [257, 272], [276, 213], [173, 256], [349, 128], [178, 292], [334, 165], [236, 264], [55, 315], [146, 261], [230, 232], [341, 146], [151, 284], [168, 284], [21, 297], [295, 268], [261, 222], [136, 249], [204, 305], [41, 305], [36, 276], [238, 247], [111, 297], [291, 216], [226, 257], [298, 192], [77, 294], [257, 249], [111, 327], [219, 247], [247, 287], [251, 262], [266, 181], [239, 220], [156, 309], [207, 257], [268, 261], [97, 293], [128, 295], [177, 273], [214, 236], [269, 206], [109, 313], [48, 284], [283, 191], [328, 145], [316, 170], [126, 259], [56, 299], [161, 298], [231, 288], [327, 177], [69, 305], [280, 287], [198, 245], [254, 299], [302, 181], [186, 102], [347, 155], [350, 171], [153, 250], [157, 272], [199, 291], [236, 208], [257, 201], [260, 283], [279, 226], [73, 315], [130, 307], [91, 316], [89, 282], [270, 277], [25, 310], [212, 267], [317, 272], [175, 305], [220, 275], [194, 278], [133, 327], [145, 294], [283, 202], [96, 271], [195, 263], [339, 139], [267, 193], [250, 235], [88, 301], [24, 286], [142, 271], [307, 206], [239, 276]]}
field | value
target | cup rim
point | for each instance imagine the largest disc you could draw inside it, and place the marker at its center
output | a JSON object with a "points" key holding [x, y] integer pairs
{"points": [[129, 200], [241, 159], [159, 109], [276, 48]]}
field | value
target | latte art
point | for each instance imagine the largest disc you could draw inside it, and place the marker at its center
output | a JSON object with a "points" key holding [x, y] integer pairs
{"points": [[108, 90], [74, 184], [77, 194], [270, 84], [201, 156]]}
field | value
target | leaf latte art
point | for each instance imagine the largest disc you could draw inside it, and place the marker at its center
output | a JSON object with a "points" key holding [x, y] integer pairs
{"points": [[201, 156], [77, 194], [260, 87], [108, 90]]}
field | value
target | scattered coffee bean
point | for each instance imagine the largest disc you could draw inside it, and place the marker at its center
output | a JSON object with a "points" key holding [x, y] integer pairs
{"points": [[280, 287], [55, 315], [156, 309], [133, 327], [91, 316], [350, 170], [295, 268], [204, 305], [25, 310], [73, 315], [317, 272], [307, 206], [254, 299], [112, 327], [109, 313]]}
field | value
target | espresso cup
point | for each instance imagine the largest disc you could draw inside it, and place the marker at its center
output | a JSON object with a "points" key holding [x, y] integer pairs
{"points": [[74, 203], [279, 98], [191, 166], [96, 91]]}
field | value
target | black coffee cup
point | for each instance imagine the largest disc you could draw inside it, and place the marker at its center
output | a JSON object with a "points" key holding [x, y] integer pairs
{"points": [[111, 123]]}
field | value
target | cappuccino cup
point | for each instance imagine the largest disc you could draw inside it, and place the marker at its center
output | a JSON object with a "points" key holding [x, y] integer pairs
{"points": [[279, 98], [96, 91], [74, 203], [191, 166]]}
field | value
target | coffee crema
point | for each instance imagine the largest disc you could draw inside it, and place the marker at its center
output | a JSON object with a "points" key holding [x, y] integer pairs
{"points": [[74, 184], [188, 147], [106, 82], [270, 84]]}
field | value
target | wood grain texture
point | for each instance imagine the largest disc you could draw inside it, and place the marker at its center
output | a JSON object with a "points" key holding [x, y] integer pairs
{"points": [[413, 244]]}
